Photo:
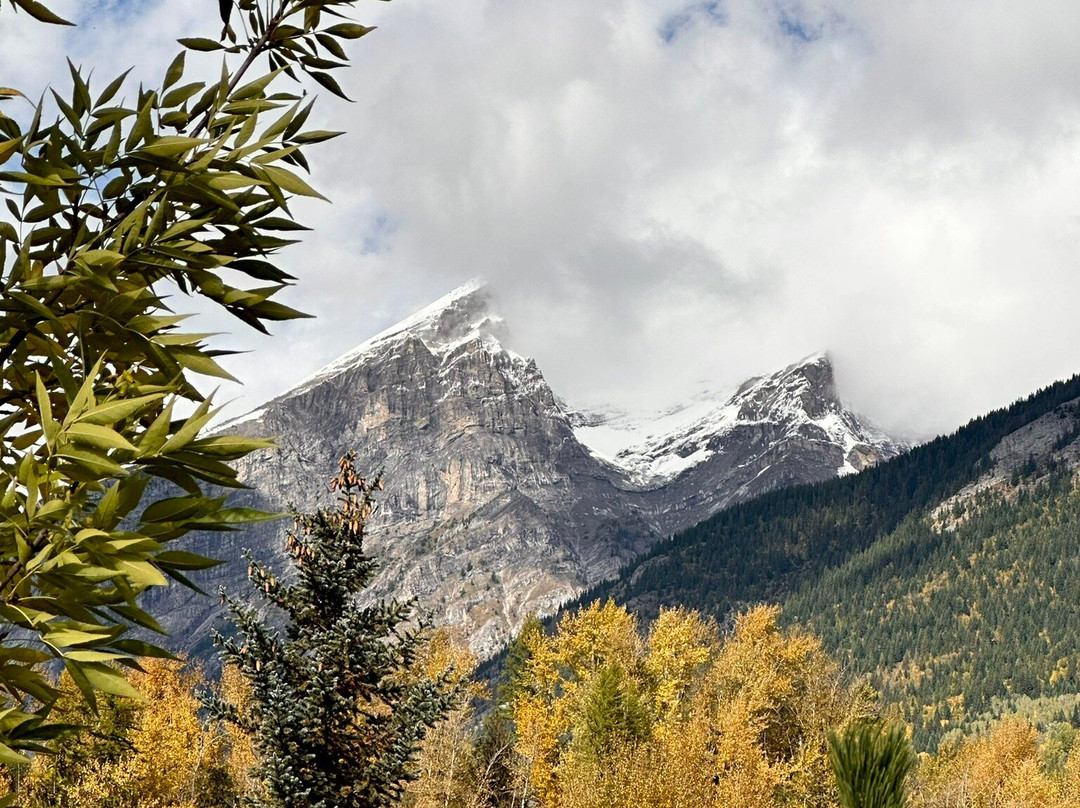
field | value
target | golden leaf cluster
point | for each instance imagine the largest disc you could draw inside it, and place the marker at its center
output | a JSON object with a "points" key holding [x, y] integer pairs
{"points": [[735, 722], [1007, 768], [155, 752]]}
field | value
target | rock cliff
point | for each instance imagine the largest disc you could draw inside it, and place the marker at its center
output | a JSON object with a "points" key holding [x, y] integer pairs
{"points": [[501, 500]]}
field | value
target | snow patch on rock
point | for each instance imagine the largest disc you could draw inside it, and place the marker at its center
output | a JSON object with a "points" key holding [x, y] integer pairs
{"points": [[654, 450]]}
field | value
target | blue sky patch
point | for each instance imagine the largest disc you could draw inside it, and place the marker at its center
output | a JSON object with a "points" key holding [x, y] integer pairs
{"points": [[710, 12], [802, 25], [376, 241], [126, 11], [796, 28]]}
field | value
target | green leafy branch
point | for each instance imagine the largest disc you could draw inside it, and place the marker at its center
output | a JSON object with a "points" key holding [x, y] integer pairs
{"points": [[112, 209]]}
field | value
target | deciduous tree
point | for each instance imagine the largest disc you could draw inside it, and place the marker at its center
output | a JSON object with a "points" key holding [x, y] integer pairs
{"points": [[119, 201], [154, 752]]}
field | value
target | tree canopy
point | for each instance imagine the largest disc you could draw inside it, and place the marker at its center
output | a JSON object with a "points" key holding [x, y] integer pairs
{"points": [[337, 712]]}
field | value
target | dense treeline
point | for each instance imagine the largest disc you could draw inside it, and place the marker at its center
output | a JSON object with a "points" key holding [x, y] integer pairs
{"points": [[593, 715]]}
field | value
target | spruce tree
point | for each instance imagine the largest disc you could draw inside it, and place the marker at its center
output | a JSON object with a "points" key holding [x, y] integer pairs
{"points": [[336, 714], [613, 715]]}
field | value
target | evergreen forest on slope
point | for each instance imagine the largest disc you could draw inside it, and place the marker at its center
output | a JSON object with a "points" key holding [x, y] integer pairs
{"points": [[952, 623]]}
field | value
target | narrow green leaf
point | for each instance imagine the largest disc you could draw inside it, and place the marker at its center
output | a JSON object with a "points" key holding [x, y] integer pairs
{"points": [[316, 136], [82, 91], [40, 12], [254, 88], [175, 98], [111, 412], [73, 638], [200, 44], [99, 436], [175, 71], [287, 181], [180, 560], [8, 148], [330, 83], [113, 88], [97, 465], [75, 671], [140, 648], [110, 681], [171, 145], [349, 30], [9, 756], [142, 573], [32, 179]]}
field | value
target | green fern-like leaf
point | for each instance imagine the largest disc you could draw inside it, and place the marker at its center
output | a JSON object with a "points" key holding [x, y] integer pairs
{"points": [[871, 761]]}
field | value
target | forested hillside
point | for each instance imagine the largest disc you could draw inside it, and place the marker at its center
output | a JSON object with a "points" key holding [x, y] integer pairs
{"points": [[958, 617], [768, 548], [937, 603]]}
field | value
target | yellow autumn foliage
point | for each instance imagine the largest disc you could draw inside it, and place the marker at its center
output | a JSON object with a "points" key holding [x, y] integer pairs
{"points": [[442, 766], [153, 753], [739, 722], [240, 756], [999, 770], [688, 718]]}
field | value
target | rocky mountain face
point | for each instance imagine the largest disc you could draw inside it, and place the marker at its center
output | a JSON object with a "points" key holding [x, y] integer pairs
{"points": [[779, 430], [500, 500]]}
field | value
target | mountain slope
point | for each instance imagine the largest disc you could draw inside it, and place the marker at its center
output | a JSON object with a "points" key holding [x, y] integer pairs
{"points": [[971, 605], [948, 574], [494, 506]]}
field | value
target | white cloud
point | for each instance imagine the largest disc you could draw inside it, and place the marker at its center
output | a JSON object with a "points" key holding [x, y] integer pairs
{"points": [[667, 191]]}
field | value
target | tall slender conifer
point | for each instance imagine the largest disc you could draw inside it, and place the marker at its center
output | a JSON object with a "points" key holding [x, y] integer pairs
{"points": [[337, 713]]}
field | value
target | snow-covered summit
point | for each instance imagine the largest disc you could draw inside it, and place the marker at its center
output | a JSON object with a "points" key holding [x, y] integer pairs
{"points": [[455, 319], [801, 399], [461, 316]]}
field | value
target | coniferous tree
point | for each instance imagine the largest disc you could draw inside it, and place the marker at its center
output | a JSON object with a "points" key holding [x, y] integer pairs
{"points": [[614, 716], [336, 714]]}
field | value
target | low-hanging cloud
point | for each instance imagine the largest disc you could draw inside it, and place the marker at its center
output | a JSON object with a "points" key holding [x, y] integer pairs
{"points": [[666, 193]]}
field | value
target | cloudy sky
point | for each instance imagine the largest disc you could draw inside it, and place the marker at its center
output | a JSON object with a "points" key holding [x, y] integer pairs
{"points": [[669, 194]]}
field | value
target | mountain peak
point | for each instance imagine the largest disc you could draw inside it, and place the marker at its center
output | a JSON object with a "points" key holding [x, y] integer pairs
{"points": [[808, 386], [815, 370], [800, 399], [458, 317]]}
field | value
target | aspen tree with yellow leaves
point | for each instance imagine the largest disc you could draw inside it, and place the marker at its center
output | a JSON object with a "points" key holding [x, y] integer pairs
{"points": [[1006, 768], [154, 752], [240, 760], [686, 719], [443, 767]]}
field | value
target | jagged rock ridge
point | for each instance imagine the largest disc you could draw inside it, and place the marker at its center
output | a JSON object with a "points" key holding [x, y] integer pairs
{"points": [[500, 499]]}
